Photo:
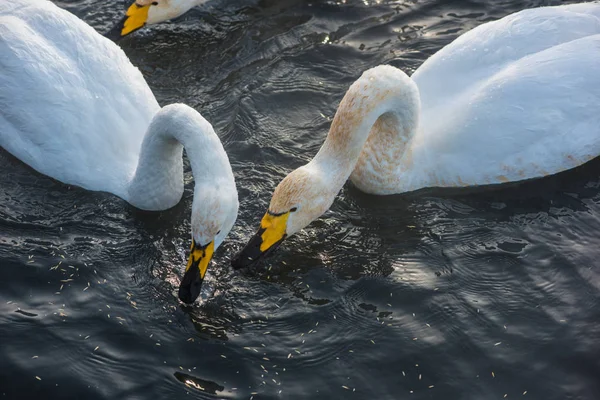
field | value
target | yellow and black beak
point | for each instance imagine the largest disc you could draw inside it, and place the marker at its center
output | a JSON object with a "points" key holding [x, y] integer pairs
{"points": [[200, 257], [269, 236], [135, 18]]}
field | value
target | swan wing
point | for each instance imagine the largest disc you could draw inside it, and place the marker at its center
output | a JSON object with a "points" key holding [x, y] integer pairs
{"points": [[72, 106], [479, 54], [536, 116]]}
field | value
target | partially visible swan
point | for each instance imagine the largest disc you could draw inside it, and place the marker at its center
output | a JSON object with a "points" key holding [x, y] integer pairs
{"points": [[148, 12], [74, 108], [514, 99]]}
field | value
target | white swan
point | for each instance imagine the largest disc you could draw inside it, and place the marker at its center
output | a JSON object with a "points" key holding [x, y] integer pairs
{"points": [[148, 12], [514, 99], [74, 108]]}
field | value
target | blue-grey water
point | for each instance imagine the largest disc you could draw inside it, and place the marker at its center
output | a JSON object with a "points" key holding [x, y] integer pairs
{"points": [[442, 294]]}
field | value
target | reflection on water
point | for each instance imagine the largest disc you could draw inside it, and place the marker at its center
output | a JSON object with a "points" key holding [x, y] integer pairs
{"points": [[199, 384], [440, 294]]}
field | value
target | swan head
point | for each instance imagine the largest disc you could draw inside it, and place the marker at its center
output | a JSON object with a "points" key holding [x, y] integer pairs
{"points": [[299, 199], [148, 12], [214, 211]]}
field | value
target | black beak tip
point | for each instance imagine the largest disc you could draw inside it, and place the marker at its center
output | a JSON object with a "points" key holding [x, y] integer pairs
{"points": [[114, 33], [189, 294], [240, 261], [190, 286], [252, 254]]}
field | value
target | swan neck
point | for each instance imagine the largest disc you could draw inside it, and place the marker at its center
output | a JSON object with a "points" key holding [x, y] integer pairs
{"points": [[158, 181], [382, 94]]}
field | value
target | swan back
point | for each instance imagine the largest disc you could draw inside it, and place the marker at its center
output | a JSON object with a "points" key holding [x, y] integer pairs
{"points": [[479, 54], [536, 117], [513, 99], [71, 104]]}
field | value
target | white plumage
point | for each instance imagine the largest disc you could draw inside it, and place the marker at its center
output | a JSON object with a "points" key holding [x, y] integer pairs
{"points": [[514, 99], [164, 10], [73, 107], [148, 12]]}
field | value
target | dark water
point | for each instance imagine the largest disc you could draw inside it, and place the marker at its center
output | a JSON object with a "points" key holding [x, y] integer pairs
{"points": [[435, 295]]}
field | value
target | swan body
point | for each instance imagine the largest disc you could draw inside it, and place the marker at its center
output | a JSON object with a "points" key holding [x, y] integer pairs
{"points": [[149, 12], [514, 99], [74, 108], [510, 100]]}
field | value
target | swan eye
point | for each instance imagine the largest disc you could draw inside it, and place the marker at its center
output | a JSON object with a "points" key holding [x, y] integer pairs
{"points": [[218, 232], [294, 209], [155, 3]]}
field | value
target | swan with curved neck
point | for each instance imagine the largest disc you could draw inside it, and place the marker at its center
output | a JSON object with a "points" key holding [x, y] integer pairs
{"points": [[74, 108], [149, 12], [499, 104], [157, 184], [383, 98]]}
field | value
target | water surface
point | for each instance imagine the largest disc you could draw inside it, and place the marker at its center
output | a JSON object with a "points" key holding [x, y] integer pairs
{"points": [[440, 294]]}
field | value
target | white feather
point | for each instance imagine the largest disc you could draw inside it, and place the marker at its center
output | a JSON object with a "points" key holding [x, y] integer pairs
{"points": [[514, 99], [165, 10], [73, 107]]}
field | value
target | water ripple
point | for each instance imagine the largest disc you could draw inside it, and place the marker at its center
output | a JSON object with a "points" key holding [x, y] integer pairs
{"points": [[486, 293]]}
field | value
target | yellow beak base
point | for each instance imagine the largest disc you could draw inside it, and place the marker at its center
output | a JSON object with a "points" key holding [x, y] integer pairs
{"points": [[136, 17], [273, 227]]}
